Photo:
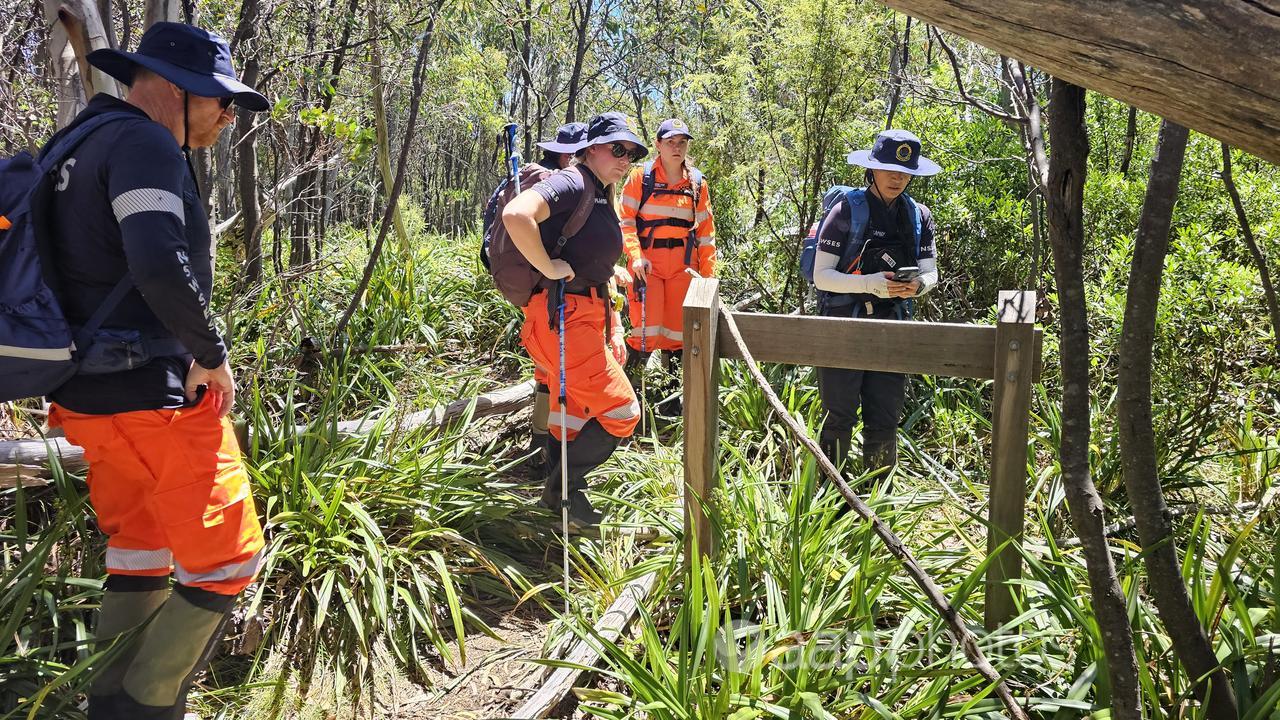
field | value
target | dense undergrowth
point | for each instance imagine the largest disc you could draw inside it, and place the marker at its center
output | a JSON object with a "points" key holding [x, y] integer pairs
{"points": [[385, 547]]}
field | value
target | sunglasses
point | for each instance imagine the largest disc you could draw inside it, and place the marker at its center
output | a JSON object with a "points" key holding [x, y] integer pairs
{"points": [[619, 151], [225, 102]]}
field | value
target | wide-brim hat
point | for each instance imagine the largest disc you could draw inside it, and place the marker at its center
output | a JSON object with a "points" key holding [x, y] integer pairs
{"points": [[673, 127], [612, 127], [896, 150], [570, 138], [195, 60]]}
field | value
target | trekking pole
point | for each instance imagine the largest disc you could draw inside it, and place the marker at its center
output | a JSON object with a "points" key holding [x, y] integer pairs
{"points": [[564, 447], [513, 155], [641, 293]]}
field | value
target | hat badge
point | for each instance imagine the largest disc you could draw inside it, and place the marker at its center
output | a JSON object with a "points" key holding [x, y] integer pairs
{"points": [[679, 124], [904, 152]]}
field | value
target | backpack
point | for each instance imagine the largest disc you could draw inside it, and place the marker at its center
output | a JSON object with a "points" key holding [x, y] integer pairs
{"points": [[648, 188], [39, 349], [851, 261], [515, 278]]}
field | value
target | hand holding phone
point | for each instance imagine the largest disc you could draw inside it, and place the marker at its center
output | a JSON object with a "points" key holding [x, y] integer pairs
{"points": [[906, 274]]}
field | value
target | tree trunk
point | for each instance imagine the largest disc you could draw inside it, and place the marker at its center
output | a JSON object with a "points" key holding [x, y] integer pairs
{"points": [[1130, 136], [246, 144], [380, 122], [1259, 260], [579, 55], [162, 11], [897, 68], [247, 186], [1137, 436], [1064, 195], [79, 30], [1210, 65], [310, 204], [526, 57], [393, 195]]}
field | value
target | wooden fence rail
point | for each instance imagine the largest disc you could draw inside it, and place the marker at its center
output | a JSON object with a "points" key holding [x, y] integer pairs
{"points": [[1008, 353]]}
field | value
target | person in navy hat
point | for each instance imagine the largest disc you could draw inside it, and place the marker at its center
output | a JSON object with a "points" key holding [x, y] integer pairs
{"points": [[558, 154], [601, 407], [875, 254], [165, 473]]}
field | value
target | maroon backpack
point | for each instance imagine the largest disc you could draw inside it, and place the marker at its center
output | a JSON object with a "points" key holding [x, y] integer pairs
{"points": [[515, 277]]}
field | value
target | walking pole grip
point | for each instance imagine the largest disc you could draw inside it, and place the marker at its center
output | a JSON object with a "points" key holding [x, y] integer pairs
{"points": [[513, 156]]}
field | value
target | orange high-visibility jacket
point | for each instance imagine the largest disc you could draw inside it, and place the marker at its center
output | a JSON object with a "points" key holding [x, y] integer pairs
{"points": [[664, 245]]}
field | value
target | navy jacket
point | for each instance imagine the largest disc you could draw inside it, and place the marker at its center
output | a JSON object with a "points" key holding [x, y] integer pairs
{"points": [[126, 202]]}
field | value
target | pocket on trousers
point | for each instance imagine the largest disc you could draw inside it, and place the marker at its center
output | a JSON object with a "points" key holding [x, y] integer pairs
{"points": [[201, 500]]}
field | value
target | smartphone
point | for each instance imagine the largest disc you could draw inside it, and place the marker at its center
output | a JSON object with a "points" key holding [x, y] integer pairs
{"points": [[906, 274]]}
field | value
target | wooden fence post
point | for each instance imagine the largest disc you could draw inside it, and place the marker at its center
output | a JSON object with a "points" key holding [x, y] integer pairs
{"points": [[701, 411], [1015, 365]]}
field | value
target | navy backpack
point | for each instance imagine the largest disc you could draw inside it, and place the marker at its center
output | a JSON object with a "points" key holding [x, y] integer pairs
{"points": [[856, 199], [38, 347]]}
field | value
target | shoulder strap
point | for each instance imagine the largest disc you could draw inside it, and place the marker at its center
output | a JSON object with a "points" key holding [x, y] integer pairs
{"points": [[859, 214], [695, 182], [914, 212], [586, 203], [56, 152], [646, 186], [84, 336]]}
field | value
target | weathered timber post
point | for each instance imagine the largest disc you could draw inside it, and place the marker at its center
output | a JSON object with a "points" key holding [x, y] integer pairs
{"points": [[701, 411], [1016, 360]]}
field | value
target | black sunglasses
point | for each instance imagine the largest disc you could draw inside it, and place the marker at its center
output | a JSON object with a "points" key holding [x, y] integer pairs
{"points": [[619, 150], [225, 102]]}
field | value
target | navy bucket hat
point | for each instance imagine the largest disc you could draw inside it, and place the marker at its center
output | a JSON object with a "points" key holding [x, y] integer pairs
{"points": [[896, 150], [195, 60], [569, 139], [612, 127], [673, 127]]}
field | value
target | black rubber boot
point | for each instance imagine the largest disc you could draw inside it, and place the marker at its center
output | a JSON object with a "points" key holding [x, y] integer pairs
{"points": [[835, 445], [127, 602], [634, 367], [670, 385], [880, 454], [536, 465], [176, 646], [587, 451]]}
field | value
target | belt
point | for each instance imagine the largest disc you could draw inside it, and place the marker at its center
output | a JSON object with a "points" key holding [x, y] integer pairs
{"points": [[599, 292], [666, 243]]}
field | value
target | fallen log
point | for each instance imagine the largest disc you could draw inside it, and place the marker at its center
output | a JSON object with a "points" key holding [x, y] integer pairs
{"points": [[1208, 65], [30, 475], [31, 457], [584, 654]]}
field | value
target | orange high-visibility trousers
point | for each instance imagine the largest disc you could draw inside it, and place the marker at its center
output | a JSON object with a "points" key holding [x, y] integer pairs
{"points": [[659, 325], [170, 490], [596, 386]]}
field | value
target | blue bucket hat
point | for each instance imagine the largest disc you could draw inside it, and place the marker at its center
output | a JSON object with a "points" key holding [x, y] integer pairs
{"points": [[611, 127], [195, 60], [569, 139], [896, 150], [672, 127]]}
